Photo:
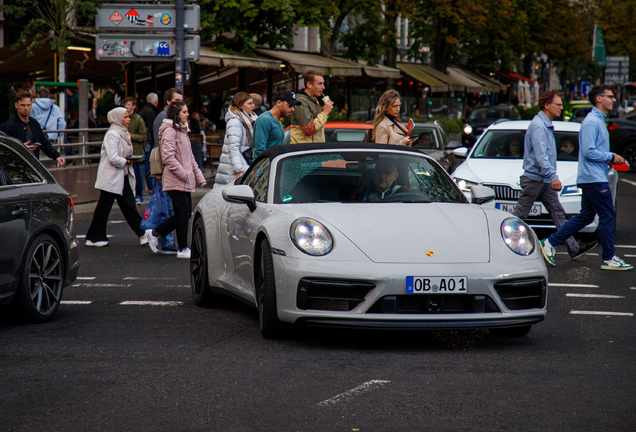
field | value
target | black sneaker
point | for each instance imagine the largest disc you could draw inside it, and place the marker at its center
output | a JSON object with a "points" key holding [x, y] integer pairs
{"points": [[583, 249]]}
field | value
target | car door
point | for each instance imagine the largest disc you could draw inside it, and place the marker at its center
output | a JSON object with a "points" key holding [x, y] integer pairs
{"points": [[15, 213], [242, 223]]}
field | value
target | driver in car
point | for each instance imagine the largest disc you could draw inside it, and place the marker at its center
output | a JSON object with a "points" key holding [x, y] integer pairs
{"points": [[383, 184]]}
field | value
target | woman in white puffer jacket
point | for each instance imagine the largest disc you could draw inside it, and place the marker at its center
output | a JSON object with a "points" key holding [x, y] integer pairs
{"points": [[237, 144]]}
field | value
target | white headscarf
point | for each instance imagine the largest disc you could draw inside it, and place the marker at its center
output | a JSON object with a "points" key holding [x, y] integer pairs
{"points": [[115, 118]]}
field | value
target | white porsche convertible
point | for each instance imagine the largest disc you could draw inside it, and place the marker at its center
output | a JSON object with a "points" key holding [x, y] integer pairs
{"points": [[365, 236]]}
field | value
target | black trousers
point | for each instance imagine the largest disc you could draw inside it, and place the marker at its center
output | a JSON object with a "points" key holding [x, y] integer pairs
{"points": [[97, 230], [182, 203]]}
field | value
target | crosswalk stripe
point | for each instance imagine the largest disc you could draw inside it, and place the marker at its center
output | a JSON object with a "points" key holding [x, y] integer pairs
{"points": [[577, 312], [568, 285], [607, 296], [151, 303]]}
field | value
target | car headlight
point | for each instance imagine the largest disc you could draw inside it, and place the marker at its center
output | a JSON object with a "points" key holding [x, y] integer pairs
{"points": [[464, 185], [468, 129], [311, 237], [518, 236], [571, 190]]}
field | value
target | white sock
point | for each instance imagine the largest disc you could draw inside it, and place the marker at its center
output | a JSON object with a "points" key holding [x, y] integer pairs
{"points": [[547, 244]]}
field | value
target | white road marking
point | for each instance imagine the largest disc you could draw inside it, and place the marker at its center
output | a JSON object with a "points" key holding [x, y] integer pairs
{"points": [[76, 302], [362, 388], [151, 303], [577, 312], [589, 253], [568, 285], [85, 277], [102, 285], [607, 296], [629, 181], [81, 236], [630, 256], [117, 221], [147, 278], [625, 246]]}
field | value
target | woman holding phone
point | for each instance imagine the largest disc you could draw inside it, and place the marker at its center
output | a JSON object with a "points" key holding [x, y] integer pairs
{"points": [[115, 180], [387, 128]]}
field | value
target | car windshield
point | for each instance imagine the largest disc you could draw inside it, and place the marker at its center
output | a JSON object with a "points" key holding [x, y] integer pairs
{"points": [[509, 144], [363, 176], [426, 138], [490, 114]]}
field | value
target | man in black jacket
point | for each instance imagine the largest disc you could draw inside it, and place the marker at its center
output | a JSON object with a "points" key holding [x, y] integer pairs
{"points": [[148, 113], [28, 130]]}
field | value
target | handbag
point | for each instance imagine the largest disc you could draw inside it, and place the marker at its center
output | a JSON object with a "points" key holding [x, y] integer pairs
{"points": [[158, 209], [156, 163]]}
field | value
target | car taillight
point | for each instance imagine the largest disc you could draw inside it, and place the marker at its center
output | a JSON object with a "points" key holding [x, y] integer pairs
{"points": [[612, 126], [70, 201]]}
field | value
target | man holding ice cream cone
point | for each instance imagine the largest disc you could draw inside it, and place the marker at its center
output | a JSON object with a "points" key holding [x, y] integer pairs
{"points": [[308, 120]]}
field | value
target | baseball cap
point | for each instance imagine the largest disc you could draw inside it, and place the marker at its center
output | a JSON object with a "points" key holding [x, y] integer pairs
{"points": [[287, 96]]}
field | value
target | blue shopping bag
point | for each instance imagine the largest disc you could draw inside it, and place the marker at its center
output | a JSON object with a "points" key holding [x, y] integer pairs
{"points": [[157, 210]]}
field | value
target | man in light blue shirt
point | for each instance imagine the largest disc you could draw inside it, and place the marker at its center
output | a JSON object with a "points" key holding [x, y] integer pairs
{"points": [[594, 160], [539, 181], [267, 129]]}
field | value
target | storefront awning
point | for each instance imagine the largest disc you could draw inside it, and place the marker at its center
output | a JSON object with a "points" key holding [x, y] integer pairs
{"points": [[379, 71], [415, 71], [488, 86], [502, 86], [453, 84], [302, 62], [471, 86], [213, 58]]}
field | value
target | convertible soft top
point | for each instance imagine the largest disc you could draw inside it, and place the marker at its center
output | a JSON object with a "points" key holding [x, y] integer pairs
{"points": [[277, 150]]}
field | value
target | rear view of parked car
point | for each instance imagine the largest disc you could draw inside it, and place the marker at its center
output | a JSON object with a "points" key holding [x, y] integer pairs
{"points": [[39, 255]]}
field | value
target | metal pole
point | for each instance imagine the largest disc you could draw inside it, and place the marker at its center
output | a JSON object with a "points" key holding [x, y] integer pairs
{"points": [[178, 61], [83, 116]]}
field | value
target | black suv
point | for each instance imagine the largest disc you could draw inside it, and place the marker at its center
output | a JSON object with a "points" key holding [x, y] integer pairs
{"points": [[622, 132], [39, 252], [484, 116]]}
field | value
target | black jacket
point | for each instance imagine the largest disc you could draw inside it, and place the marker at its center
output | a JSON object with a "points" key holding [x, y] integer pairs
{"points": [[148, 114], [16, 128]]}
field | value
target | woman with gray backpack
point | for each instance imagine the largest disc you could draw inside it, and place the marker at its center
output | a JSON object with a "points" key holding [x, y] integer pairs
{"points": [[238, 149]]}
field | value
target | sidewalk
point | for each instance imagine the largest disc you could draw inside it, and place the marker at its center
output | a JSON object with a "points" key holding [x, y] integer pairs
{"points": [[83, 211]]}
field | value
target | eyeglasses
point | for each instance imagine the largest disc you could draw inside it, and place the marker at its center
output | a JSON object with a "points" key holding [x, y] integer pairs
{"points": [[611, 96], [558, 105]]}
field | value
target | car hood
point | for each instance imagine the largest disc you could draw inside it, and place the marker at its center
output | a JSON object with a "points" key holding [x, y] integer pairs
{"points": [[508, 171], [405, 232]]}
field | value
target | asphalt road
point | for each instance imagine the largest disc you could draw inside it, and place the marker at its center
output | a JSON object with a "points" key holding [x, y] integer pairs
{"points": [[107, 365]]}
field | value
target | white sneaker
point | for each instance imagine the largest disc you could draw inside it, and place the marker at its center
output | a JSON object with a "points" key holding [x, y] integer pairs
{"points": [[102, 243], [185, 253], [616, 264], [143, 240], [153, 241]]}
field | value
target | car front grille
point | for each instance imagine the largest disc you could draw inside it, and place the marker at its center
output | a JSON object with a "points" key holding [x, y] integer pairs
{"points": [[523, 293], [332, 295], [433, 304], [504, 192]]}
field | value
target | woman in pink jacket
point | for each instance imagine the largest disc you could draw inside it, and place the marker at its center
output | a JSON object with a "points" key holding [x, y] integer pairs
{"points": [[179, 178]]}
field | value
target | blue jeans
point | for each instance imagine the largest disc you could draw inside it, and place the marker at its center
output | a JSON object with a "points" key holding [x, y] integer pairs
{"points": [[150, 181], [139, 187], [596, 200]]}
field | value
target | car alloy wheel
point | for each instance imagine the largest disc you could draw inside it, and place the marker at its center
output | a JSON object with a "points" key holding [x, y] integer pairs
{"points": [[270, 325], [199, 281], [40, 290]]}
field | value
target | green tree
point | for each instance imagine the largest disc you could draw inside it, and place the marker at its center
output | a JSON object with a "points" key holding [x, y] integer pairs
{"points": [[617, 19]]}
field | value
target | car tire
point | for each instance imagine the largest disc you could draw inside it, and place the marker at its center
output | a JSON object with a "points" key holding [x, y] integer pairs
{"points": [[271, 327], [511, 331], [629, 154], [41, 280], [199, 278]]}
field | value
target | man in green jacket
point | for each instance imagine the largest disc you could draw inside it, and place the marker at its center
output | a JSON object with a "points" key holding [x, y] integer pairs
{"points": [[308, 120], [137, 129]]}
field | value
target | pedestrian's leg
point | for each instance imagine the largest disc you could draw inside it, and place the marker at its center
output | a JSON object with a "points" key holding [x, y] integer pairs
{"points": [[550, 200], [150, 181], [182, 203], [530, 190], [574, 225], [128, 208], [601, 200], [139, 187], [97, 230]]}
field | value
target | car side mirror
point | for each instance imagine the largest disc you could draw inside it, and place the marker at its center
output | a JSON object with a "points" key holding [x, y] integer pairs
{"points": [[481, 194], [461, 152], [241, 194]]}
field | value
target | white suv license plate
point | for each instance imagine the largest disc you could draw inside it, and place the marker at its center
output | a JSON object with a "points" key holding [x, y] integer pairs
{"points": [[510, 208], [436, 285]]}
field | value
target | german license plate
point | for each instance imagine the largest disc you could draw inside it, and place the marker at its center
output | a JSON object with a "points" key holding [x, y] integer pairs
{"points": [[510, 208], [436, 285]]}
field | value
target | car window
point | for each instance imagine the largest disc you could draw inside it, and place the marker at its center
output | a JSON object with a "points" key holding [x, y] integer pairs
{"points": [[426, 138], [491, 114], [442, 132], [351, 177], [506, 144], [17, 171], [514, 114], [344, 135], [581, 111], [258, 179]]}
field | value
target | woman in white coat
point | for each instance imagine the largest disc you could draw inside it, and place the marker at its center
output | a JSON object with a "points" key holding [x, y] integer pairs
{"points": [[238, 150], [115, 180]]}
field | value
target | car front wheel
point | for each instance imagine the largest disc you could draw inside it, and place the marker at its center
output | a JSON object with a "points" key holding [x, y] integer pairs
{"points": [[270, 325], [41, 280], [199, 267]]}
